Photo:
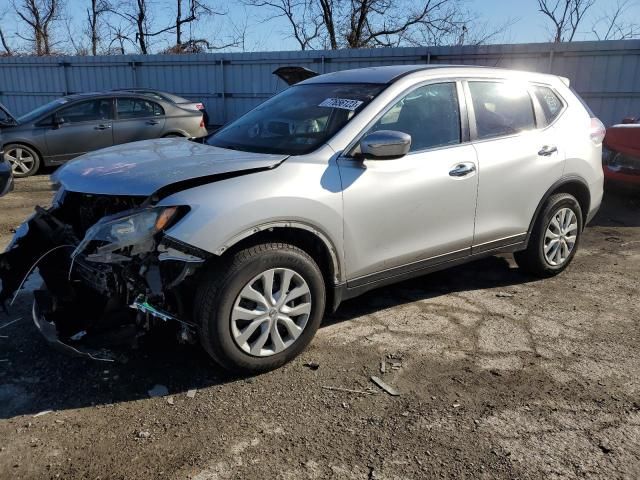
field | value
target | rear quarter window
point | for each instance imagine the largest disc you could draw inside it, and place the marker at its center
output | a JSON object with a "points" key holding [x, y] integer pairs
{"points": [[550, 102]]}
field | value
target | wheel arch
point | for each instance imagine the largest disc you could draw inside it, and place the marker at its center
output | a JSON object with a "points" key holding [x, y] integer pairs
{"points": [[308, 238], [573, 185], [173, 133], [25, 144]]}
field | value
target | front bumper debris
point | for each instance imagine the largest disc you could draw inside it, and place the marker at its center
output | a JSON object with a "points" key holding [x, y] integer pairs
{"points": [[50, 333], [99, 296]]}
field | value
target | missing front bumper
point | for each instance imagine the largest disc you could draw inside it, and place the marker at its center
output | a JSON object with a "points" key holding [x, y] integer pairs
{"points": [[49, 331], [89, 306]]}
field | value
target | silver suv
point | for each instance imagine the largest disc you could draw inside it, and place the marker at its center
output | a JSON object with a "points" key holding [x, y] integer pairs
{"points": [[338, 185]]}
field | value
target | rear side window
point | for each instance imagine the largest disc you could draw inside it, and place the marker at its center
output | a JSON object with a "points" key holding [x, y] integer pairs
{"points": [[549, 101], [430, 114], [138, 108], [501, 108]]}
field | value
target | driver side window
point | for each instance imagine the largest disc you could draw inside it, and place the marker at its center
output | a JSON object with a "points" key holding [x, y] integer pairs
{"points": [[430, 114]]}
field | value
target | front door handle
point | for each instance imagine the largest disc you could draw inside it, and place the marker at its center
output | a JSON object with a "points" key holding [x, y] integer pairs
{"points": [[547, 150], [462, 170], [102, 127]]}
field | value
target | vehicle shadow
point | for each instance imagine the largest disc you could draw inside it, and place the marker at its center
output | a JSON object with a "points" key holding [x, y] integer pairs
{"points": [[35, 378], [620, 207], [492, 272]]}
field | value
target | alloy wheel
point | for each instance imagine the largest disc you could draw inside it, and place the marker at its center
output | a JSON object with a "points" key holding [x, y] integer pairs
{"points": [[560, 236], [22, 161], [271, 312]]}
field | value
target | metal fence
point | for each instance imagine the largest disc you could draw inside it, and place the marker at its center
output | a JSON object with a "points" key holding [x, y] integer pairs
{"points": [[606, 74]]}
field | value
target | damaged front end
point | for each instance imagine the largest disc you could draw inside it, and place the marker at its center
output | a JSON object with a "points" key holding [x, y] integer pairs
{"points": [[110, 272]]}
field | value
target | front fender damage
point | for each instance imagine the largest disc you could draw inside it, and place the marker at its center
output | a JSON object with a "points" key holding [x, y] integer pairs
{"points": [[99, 295]]}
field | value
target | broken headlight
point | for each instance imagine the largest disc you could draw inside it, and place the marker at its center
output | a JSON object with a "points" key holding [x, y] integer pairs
{"points": [[135, 229]]}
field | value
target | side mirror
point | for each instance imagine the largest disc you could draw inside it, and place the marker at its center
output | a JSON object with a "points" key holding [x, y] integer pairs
{"points": [[56, 122], [385, 145], [628, 120], [7, 122]]}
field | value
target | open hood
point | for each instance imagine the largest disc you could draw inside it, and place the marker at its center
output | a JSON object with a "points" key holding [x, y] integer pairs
{"points": [[293, 75], [6, 118], [143, 168]]}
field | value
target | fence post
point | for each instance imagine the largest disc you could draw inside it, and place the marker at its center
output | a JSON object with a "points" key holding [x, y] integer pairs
{"points": [[550, 67], [134, 72], [222, 92], [65, 74]]}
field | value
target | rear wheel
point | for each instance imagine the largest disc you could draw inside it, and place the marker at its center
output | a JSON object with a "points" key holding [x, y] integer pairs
{"points": [[555, 237], [24, 160], [261, 308]]}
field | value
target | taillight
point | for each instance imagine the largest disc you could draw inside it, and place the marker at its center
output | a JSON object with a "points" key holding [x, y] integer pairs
{"points": [[597, 131], [200, 106], [202, 122]]}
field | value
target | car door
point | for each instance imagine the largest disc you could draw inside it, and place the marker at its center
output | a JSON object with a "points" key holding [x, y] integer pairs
{"points": [[409, 213], [519, 159], [137, 119], [78, 128]]}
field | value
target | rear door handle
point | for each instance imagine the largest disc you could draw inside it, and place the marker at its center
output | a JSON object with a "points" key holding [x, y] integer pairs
{"points": [[152, 122], [102, 127], [547, 150], [462, 170]]}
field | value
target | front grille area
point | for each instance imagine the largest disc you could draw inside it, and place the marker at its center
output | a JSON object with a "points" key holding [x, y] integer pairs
{"points": [[82, 210]]}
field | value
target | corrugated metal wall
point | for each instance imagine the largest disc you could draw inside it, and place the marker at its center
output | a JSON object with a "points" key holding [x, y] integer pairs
{"points": [[606, 74]]}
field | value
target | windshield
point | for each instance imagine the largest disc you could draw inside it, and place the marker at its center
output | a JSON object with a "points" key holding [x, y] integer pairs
{"points": [[41, 111], [298, 120]]}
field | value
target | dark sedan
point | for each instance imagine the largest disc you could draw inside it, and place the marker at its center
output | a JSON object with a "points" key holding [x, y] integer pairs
{"points": [[76, 124]]}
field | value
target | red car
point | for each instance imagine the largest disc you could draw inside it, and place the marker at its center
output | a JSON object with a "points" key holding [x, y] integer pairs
{"points": [[621, 155]]}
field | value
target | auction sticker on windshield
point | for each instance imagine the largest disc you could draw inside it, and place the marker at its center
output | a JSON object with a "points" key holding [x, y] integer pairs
{"points": [[344, 103]]}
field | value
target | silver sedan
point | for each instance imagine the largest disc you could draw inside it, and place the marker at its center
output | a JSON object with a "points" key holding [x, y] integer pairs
{"points": [[76, 124]]}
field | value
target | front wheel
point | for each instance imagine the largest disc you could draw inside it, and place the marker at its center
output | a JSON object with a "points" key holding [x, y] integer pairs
{"points": [[555, 237], [261, 308], [24, 160]]}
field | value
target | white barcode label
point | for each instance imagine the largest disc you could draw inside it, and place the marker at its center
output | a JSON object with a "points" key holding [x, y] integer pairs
{"points": [[344, 103]]}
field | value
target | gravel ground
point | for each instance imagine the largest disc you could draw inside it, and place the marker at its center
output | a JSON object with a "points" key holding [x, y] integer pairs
{"points": [[500, 376]]}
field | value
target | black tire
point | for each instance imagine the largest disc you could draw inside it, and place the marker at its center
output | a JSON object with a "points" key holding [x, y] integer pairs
{"points": [[16, 150], [217, 294], [533, 259]]}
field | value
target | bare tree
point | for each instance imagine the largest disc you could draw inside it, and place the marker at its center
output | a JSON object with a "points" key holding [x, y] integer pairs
{"points": [[136, 14], [196, 10], [371, 23], [565, 16], [614, 24], [119, 36], [301, 15], [97, 10], [8, 51], [40, 17]]}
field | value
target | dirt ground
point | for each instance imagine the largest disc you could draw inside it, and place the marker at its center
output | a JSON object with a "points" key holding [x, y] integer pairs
{"points": [[501, 376]]}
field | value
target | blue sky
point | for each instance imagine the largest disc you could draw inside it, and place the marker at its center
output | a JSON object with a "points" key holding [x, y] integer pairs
{"points": [[530, 26]]}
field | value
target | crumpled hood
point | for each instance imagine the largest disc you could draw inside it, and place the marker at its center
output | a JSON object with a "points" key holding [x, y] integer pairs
{"points": [[142, 168]]}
